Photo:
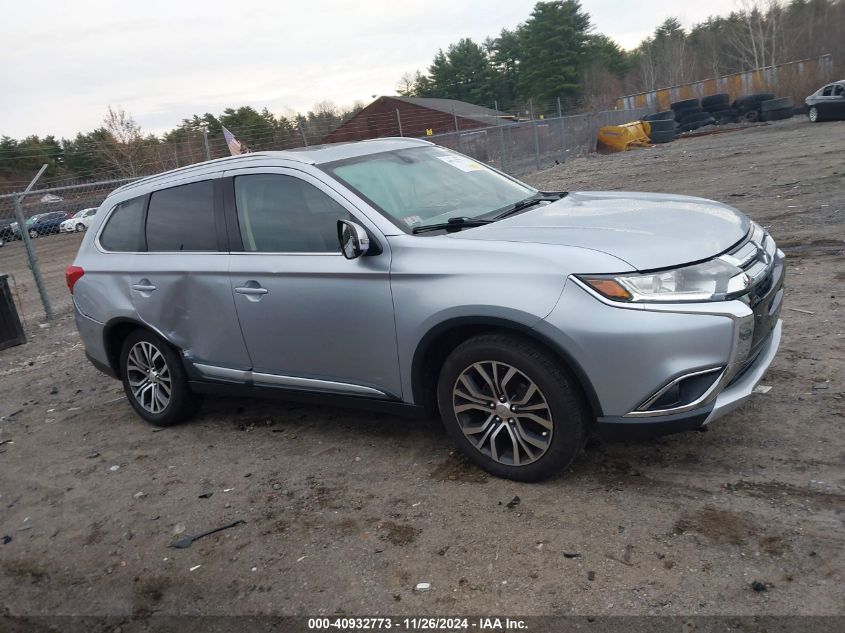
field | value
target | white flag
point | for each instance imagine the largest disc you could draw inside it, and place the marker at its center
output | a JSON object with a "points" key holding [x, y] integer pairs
{"points": [[235, 146]]}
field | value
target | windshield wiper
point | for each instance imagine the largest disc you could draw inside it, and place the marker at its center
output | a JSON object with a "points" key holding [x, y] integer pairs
{"points": [[529, 202], [453, 224]]}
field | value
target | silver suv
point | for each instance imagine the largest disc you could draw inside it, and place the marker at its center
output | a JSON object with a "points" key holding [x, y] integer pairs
{"points": [[397, 274]]}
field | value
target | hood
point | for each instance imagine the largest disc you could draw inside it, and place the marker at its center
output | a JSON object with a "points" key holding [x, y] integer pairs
{"points": [[647, 230]]}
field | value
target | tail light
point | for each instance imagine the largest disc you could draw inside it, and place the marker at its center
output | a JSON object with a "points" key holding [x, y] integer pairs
{"points": [[72, 275]]}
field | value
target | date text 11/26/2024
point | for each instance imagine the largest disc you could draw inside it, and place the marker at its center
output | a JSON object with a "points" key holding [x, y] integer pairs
{"points": [[417, 624]]}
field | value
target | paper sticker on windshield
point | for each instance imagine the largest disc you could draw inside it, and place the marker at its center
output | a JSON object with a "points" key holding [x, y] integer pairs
{"points": [[461, 162], [412, 220]]}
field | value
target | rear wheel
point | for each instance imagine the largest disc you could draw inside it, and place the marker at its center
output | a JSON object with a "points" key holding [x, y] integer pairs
{"points": [[511, 407], [154, 380]]}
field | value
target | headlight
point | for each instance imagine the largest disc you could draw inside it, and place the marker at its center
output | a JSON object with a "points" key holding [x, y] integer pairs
{"points": [[714, 280]]}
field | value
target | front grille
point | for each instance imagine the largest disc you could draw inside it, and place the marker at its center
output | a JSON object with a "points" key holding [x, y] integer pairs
{"points": [[757, 256]]}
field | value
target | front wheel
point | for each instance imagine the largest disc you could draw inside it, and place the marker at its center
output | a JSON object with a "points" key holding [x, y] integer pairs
{"points": [[80, 227], [813, 114], [511, 407], [33, 234], [154, 380]]}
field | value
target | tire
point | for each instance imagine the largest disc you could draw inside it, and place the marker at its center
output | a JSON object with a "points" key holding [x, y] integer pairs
{"points": [[716, 102], [665, 115], [777, 104], [79, 227], [778, 115], [813, 114], [147, 350], [694, 125], [686, 103], [695, 117], [752, 102], [725, 116], [662, 125], [750, 116], [662, 137], [564, 416], [682, 113], [33, 234]]}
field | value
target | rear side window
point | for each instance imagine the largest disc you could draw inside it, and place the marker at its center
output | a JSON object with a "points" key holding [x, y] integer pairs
{"points": [[125, 227], [182, 219]]}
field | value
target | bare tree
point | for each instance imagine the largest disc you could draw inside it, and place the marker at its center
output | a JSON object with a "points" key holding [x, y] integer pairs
{"points": [[123, 146], [407, 86]]}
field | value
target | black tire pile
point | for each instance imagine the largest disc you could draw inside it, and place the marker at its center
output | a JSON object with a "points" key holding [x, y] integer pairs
{"points": [[662, 126], [719, 107], [763, 106], [691, 115]]}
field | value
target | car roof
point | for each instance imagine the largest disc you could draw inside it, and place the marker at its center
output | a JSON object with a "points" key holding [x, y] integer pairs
{"points": [[311, 155]]}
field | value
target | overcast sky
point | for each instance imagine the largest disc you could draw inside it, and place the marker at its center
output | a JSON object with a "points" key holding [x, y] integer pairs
{"points": [[62, 63]]}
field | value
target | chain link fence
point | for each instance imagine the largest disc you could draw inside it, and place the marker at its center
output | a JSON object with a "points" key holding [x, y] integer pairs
{"points": [[54, 216], [527, 146]]}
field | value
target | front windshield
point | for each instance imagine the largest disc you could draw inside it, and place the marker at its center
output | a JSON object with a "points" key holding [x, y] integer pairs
{"points": [[33, 219], [428, 185], [79, 214]]}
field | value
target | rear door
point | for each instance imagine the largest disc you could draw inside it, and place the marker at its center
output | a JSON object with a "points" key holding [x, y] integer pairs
{"points": [[824, 103], [311, 318], [837, 102], [179, 282]]}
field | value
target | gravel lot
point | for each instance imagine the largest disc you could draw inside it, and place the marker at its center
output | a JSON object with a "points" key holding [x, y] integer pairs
{"points": [[345, 512]]}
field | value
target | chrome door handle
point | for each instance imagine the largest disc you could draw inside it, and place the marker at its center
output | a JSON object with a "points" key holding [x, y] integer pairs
{"points": [[143, 287], [246, 290]]}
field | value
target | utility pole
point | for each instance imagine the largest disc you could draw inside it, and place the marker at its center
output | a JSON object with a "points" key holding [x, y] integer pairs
{"points": [[302, 132], [205, 142], [501, 135]]}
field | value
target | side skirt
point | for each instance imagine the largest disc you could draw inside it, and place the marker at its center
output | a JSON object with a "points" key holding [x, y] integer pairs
{"points": [[380, 405]]}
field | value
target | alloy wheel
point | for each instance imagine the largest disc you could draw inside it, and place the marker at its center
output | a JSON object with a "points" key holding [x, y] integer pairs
{"points": [[813, 115], [149, 377], [503, 413], [33, 234]]}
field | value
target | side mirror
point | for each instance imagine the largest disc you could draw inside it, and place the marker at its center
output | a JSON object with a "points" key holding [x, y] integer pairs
{"points": [[353, 239]]}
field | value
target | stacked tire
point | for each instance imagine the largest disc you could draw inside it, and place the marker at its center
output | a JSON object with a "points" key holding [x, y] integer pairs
{"points": [[749, 107], [719, 107], [777, 109], [690, 115], [662, 128]]}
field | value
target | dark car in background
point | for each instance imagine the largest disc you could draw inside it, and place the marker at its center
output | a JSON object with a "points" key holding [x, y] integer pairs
{"points": [[827, 103], [41, 224], [7, 234]]}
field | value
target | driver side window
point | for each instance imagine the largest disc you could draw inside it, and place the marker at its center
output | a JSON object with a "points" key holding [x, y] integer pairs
{"points": [[828, 90], [284, 214]]}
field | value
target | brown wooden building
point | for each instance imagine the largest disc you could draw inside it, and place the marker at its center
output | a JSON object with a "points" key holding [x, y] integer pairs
{"points": [[412, 116]]}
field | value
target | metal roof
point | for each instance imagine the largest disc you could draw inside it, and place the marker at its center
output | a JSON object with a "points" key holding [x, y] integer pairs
{"points": [[452, 106]]}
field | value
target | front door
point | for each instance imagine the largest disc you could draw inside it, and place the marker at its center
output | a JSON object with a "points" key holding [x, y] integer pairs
{"points": [[311, 319]]}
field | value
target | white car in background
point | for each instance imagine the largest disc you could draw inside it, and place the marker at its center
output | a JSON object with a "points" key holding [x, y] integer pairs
{"points": [[80, 221]]}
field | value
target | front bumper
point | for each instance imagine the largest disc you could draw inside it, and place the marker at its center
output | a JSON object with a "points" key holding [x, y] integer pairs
{"points": [[628, 355], [734, 395]]}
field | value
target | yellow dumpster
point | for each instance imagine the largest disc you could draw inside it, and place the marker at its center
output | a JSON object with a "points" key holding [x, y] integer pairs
{"points": [[622, 137]]}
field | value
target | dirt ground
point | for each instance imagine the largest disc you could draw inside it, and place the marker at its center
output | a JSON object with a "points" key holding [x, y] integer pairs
{"points": [[345, 512]]}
